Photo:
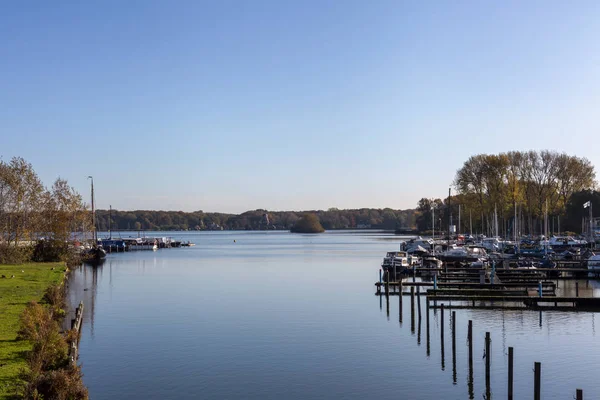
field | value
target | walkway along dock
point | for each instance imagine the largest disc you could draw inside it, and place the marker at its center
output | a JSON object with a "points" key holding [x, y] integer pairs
{"points": [[495, 288]]}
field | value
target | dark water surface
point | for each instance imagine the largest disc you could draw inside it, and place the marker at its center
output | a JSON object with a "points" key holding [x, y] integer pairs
{"points": [[277, 315]]}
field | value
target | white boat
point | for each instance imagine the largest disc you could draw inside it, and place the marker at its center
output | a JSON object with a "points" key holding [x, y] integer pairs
{"points": [[565, 241], [593, 263], [492, 244], [388, 260], [415, 245], [495, 244], [398, 259], [464, 254]]}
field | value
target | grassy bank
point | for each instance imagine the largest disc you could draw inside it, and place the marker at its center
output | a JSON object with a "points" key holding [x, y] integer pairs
{"points": [[29, 283]]}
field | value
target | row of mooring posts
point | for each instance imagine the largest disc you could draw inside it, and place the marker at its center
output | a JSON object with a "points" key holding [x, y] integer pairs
{"points": [[487, 354]]}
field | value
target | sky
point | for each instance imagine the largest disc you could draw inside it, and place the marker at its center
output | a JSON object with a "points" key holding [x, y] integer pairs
{"points": [[236, 105]]}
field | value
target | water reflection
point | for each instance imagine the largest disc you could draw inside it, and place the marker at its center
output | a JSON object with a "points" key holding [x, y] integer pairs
{"points": [[400, 307], [83, 286]]}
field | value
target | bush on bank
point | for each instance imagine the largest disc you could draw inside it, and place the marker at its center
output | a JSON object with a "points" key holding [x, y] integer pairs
{"points": [[50, 373]]}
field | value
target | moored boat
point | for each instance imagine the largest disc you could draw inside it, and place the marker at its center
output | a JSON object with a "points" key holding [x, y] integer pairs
{"points": [[593, 263]]}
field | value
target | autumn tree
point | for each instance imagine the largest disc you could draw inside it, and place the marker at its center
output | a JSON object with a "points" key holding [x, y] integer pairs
{"points": [[521, 183], [308, 223]]}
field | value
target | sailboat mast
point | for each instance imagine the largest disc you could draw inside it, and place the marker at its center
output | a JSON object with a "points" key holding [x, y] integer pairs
{"points": [[470, 223], [433, 221], [546, 228], [109, 221], [94, 235], [458, 230], [515, 224], [495, 221]]}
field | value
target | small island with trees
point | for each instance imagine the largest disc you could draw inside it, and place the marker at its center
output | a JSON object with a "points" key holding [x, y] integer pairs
{"points": [[309, 223]]}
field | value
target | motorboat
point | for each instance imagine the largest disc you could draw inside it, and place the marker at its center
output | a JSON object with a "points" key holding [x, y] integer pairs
{"points": [[399, 260], [430, 261], [565, 242], [593, 263], [415, 245], [468, 254]]}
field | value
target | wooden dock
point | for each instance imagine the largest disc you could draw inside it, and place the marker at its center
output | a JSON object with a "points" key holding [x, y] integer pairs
{"points": [[494, 288]]}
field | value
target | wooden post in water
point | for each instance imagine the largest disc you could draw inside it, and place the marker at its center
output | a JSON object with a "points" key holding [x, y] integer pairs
{"points": [[419, 301], [579, 395], [470, 380], [454, 347], [576, 289], [400, 304], [537, 381], [412, 310], [442, 335], [488, 360], [510, 373], [419, 314], [427, 327]]}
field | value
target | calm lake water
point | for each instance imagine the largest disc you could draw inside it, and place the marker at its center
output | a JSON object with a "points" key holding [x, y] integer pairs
{"points": [[276, 315]]}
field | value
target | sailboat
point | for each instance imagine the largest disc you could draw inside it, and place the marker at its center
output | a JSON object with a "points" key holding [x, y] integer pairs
{"points": [[96, 254]]}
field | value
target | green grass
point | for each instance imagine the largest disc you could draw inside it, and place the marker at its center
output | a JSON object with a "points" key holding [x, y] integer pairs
{"points": [[15, 293]]}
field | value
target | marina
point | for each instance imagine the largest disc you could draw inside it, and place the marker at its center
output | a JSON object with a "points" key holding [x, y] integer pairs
{"points": [[352, 348]]}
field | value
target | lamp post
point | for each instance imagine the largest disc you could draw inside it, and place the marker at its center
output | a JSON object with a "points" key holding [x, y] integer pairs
{"points": [[449, 218], [433, 220]]}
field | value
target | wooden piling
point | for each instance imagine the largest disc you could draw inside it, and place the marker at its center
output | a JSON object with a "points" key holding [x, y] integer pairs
{"points": [[488, 360], [579, 395], [576, 289], [510, 373], [537, 381], [427, 329], [470, 384], [412, 310], [419, 314], [442, 335], [470, 341], [400, 307], [419, 302], [454, 377]]}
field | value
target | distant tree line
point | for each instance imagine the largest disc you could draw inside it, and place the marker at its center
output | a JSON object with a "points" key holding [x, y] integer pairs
{"points": [[333, 218], [521, 183]]}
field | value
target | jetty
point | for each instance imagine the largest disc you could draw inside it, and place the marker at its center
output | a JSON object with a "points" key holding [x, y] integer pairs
{"points": [[450, 288], [467, 287]]}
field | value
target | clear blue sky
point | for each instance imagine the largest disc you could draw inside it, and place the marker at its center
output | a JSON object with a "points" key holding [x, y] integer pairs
{"points": [[236, 105]]}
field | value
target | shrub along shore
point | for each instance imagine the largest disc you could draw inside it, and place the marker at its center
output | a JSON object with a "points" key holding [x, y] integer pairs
{"points": [[32, 302]]}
